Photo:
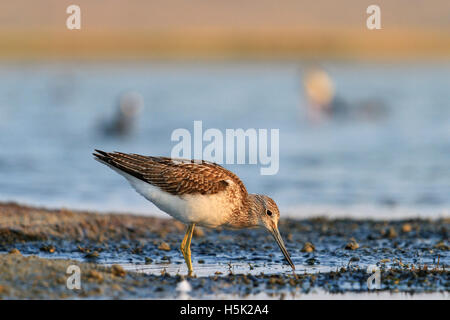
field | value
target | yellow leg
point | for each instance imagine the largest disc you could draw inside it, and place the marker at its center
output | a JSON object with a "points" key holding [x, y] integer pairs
{"points": [[186, 247]]}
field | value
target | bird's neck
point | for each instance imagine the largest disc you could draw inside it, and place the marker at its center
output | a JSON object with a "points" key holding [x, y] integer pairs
{"points": [[248, 216]]}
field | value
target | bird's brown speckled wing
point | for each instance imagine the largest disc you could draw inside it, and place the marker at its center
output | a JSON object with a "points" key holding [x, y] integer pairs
{"points": [[175, 176]]}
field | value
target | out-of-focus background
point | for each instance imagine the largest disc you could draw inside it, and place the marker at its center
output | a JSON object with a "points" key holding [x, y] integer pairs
{"points": [[233, 29], [364, 115]]}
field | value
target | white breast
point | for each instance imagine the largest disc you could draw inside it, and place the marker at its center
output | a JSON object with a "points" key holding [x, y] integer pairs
{"points": [[204, 210]]}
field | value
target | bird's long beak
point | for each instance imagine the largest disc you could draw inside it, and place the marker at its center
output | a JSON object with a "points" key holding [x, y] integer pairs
{"points": [[277, 236]]}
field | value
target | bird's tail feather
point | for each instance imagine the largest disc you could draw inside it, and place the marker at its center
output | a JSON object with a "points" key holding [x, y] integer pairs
{"points": [[115, 161]]}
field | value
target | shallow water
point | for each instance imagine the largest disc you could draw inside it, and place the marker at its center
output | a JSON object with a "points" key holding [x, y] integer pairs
{"points": [[412, 256], [323, 295], [223, 269], [229, 252], [50, 115]]}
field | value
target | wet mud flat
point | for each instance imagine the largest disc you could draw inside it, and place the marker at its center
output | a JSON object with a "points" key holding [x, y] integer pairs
{"points": [[127, 256]]}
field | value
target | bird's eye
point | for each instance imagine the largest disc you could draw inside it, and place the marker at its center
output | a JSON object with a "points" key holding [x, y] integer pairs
{"points": [[269, 213]]}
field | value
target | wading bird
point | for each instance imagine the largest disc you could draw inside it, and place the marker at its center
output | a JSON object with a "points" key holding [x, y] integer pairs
{"points": [[196, 193], [127, 112]]}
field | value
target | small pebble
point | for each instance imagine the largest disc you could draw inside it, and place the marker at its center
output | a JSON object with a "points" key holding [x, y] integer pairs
{"points": [[441, 246], [164, 246], [198, 232], [49, 249], [118, 271], [406, 228], [312, 261], [91, 255], [95, 275], [148, 260], [14, 251], [116, 287], [308, 247], [391, 233], [352, 245]]}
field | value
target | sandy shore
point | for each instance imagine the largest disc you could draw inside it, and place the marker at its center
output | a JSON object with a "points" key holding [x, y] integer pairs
{"points": [[182, 30], [127, 256]]}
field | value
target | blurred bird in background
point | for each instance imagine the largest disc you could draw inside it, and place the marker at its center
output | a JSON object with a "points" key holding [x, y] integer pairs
{"points": [[124, 121], [323, 102]]}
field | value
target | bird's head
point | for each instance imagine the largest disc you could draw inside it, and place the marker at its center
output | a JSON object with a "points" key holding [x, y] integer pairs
{"points": [[268, 217]]}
